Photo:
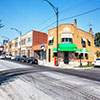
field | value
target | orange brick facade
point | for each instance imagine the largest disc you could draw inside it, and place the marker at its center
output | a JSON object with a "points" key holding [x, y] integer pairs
{"points": [[77, 35]]}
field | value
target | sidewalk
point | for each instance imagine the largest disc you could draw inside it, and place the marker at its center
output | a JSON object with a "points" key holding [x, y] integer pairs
{"points": [[61, 65]]}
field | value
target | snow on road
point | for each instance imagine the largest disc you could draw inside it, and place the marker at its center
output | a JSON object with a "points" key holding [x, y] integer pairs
{"points": [[4, 65], [44, 85], [18, 89], [36, 86]]}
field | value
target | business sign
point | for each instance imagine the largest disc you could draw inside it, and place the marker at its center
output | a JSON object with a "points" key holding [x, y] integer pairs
{"points": [[42, 46]]}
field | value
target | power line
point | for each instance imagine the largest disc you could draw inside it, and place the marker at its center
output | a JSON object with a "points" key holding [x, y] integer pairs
{"points": [[48, 26], [45, 21], [81, 14]]}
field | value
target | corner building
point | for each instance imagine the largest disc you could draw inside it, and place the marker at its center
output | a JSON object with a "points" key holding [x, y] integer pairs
{"points": [[72, 42]]}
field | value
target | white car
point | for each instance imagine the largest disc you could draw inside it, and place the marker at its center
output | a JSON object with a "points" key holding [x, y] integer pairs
{"points": [[8, 56], [13, 57], [97, 62], [2, 57]]}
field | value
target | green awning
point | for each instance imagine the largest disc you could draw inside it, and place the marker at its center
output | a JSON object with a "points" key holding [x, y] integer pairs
{"points": [[77, 50], [55, 50], [84, 51], [65, 47]]}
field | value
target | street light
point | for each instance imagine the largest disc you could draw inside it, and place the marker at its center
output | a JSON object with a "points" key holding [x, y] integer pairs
{"points": [[8, 42], [20, 38], [56, 11]]}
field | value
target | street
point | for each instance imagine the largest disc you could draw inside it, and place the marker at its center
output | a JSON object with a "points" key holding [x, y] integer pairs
{"points": [[46, 83]]}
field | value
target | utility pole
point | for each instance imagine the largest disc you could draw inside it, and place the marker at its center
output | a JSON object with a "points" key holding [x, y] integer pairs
{"points": [[20, 33], [56, 12]]}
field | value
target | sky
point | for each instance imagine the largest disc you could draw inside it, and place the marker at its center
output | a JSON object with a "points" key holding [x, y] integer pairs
{"points": [[26, 15]]}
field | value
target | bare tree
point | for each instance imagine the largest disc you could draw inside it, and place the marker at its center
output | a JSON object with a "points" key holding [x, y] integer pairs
{"points": [[1, 25]]}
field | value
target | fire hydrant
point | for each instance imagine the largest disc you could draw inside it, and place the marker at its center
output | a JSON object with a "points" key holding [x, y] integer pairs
{"points": [[55, 61]]}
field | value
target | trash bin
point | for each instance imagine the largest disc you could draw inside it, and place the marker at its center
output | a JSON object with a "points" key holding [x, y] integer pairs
{"points": [[55, 61]]}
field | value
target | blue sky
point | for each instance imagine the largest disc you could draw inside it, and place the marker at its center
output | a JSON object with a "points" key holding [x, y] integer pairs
{"points": [[26, 15]]}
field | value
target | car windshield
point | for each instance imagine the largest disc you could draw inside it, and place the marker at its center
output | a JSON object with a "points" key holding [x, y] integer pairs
{"points": [[24, 56], [31, 57]]}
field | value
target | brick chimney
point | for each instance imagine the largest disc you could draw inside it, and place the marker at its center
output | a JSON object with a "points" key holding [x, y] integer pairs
{"points": [[75, 23], [90, 30]]}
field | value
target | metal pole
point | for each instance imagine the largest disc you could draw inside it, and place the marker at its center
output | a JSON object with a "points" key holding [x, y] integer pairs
{"points": [[20, 38], [20, 42], [56, 11], [57, 35]]}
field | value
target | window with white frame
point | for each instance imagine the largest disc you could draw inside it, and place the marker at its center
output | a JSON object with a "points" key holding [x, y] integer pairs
{"points": [[51, 40], [83, 41], [66, 37], [68, 40], [29, 39], [89, 42]]}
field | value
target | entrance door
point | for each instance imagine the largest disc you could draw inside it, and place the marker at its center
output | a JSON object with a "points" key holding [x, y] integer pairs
{"points": [[66, 57], [28, 53], [49, 55]]}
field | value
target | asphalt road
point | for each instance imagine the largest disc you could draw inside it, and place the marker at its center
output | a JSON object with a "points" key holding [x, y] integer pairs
{"points": [[44, 83]]}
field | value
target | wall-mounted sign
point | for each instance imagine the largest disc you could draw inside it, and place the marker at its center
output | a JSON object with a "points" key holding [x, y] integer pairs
{"points": [[66, 29], [42, 46]]}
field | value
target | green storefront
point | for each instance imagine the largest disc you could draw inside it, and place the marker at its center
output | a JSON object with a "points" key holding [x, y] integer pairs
{"points": [[66, 52]]}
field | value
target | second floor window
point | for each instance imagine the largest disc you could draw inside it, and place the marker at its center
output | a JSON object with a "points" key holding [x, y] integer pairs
{"points": [[68, 40], [51, 42], [89, 42], [16, 44], [29, 39], [83, 42]]}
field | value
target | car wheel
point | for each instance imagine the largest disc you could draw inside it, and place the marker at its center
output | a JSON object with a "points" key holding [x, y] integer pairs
{"points": [[31, 62]]}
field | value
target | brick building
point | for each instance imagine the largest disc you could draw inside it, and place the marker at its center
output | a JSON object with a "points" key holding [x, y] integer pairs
{"points": [[39, 44], [28, 44], [72, 42]]}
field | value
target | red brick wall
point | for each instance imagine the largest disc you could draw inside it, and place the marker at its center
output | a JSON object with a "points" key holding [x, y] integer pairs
{"points": [[39, 37]]}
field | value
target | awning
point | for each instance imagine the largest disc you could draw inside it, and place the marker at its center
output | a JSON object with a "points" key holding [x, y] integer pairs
{"points": [[65, 47], [77, 51], [54, 50], [66, 35], [84, 51], [50, 38], [83, 38], [89, 40]]}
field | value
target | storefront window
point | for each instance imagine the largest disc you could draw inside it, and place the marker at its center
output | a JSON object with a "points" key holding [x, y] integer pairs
{"points": [[76, 55], [82, 57], [86, 55]]}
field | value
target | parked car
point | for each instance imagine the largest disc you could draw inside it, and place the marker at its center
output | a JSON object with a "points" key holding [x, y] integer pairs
{"points": [[32, 60], [17, 58], [13, 58], [97, 62], [23, 58], [8, 56], [2, 56]]}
